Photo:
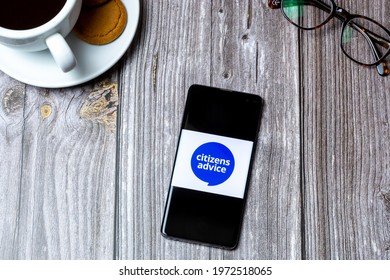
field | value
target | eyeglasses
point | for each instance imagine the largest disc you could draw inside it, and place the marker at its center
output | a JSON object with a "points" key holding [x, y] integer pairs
{"points": [[363, 40]]}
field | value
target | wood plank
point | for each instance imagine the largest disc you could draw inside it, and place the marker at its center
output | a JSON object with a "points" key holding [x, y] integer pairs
{"points": [[345, 113], [64, 191], [230, 44], [12, 94]]}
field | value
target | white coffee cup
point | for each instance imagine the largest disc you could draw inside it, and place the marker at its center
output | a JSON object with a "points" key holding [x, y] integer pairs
{"points": [[48, 35]]}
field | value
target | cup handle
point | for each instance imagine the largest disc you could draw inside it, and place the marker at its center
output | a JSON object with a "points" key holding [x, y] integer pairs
{"points": [[61, 52]]}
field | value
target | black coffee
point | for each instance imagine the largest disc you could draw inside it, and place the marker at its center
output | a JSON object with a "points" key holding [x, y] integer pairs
{"points": [[27, 14]]}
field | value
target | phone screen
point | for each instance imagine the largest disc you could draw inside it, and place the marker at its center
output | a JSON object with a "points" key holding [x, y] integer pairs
{"points": [[210, 176]]}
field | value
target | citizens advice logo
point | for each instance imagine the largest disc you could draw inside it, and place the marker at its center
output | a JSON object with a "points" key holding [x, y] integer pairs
{"points": [[212, 163]]}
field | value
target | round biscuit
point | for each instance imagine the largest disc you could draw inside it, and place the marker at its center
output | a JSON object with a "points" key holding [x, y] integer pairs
{"points": [[100, 25]]}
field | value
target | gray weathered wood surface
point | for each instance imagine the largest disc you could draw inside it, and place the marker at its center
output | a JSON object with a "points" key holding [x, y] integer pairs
{"points": [[85, 170]]}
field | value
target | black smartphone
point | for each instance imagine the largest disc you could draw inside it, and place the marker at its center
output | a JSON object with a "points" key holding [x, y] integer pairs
{"points": [[208, 187]]}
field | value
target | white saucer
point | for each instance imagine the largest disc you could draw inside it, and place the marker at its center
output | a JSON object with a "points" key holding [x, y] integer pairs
{"points": [[39, 68]]}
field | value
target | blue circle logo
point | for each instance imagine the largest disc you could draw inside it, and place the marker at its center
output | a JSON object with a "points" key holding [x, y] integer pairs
{"points": [[212, 163]]}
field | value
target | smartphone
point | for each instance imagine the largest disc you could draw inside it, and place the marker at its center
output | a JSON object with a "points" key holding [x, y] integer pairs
{"points": [[208, 187]]}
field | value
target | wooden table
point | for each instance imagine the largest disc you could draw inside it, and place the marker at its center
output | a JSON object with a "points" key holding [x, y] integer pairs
{"points": [[85, 170]]}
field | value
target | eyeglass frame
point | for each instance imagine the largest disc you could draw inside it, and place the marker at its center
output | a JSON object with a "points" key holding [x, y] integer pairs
{"points": [[346, 18]]}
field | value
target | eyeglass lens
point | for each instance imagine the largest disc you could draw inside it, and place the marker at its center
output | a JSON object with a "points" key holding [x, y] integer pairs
{"points": [[307, 14], [364, 41]]}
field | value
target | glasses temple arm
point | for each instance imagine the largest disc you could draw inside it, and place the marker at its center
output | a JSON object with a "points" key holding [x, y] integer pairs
{"points": [[377, 39], [343, 15], [381, 68], [371, 38]]}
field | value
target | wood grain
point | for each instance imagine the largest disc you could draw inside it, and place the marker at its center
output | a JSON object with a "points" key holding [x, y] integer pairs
{"points": [[223, 44], [12, 94], [346, 143], [59, 193]]}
